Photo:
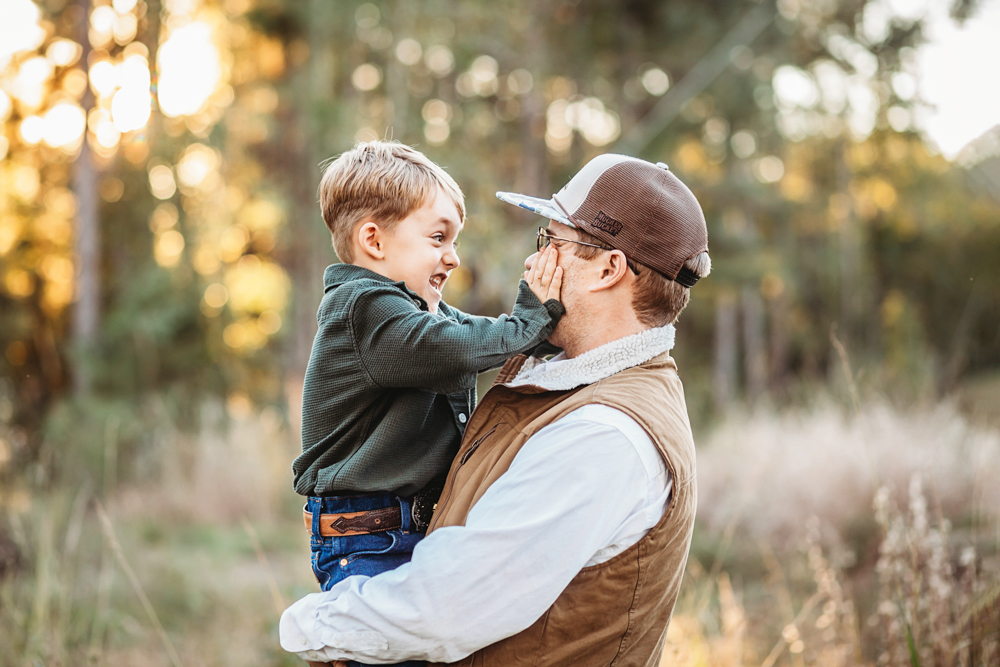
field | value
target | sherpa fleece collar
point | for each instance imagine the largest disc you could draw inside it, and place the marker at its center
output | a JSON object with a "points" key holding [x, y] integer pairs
{"points": [[561, 374]]}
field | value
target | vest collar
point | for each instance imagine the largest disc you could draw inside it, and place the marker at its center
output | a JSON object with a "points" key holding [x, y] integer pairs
{"points": [[561, 374]]}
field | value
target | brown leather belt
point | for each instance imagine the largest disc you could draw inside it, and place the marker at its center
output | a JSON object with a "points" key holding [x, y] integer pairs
{"points": [[356, 523]]}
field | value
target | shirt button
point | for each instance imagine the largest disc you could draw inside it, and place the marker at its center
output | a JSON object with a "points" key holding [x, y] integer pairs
{"points": [[303, 641], [343, 562], [461, 417]]}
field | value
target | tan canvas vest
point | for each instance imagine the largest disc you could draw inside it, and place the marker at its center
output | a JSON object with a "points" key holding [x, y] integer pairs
{"points": [[616, 612]]}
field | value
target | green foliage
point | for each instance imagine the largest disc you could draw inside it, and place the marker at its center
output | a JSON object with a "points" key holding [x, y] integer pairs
{"points": [[818, 221], [88, 441]]}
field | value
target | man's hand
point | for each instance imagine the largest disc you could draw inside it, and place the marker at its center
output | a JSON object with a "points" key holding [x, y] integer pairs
{"points": [[545, 276]]}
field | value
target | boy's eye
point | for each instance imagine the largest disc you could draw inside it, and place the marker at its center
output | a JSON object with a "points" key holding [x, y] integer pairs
{"points": [[438, 237], [455, 245]]}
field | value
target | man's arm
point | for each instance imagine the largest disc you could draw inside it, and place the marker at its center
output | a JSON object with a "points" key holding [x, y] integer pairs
{"points": [[587, 486], [400, 345]]}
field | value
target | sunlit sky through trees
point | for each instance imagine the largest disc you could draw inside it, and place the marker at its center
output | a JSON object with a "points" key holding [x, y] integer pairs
{"points": [[948, 72], [202, 124], [957, 71]]}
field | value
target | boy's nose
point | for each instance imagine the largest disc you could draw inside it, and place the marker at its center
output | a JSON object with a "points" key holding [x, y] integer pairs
{"points": [[452, 260]]}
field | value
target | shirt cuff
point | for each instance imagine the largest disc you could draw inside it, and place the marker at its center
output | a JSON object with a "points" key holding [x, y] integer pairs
{"points": [[296, 630], [302, 632], [528, 306]]}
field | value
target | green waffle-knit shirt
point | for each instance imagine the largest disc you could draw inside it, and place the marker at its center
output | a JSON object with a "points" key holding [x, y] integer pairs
{"points": [[390, 386]]}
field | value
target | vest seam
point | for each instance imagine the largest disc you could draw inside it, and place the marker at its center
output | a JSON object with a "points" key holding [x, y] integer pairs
{"points": [[597, 389], [541, 635], [639, 580]]}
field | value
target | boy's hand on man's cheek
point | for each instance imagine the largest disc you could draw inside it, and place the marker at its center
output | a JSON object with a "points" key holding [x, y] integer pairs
{"points": [[545, 275]]}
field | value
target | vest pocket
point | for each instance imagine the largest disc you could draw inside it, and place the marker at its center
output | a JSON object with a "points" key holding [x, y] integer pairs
{"points": [[475, 445]]}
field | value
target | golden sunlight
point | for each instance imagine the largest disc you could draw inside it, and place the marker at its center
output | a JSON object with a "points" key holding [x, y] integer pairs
{"points": [[130, 107], [197, 166], [256, 286], [30, 83], [63, 126], [168, 248], [20, 29], [189, 70]]}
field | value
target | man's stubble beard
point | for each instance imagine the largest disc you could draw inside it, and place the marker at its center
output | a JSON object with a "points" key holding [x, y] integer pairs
{"points": [[569, 329]]}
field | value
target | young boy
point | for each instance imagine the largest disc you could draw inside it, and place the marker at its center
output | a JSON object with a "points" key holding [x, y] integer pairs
{"points": [[391, 378]]}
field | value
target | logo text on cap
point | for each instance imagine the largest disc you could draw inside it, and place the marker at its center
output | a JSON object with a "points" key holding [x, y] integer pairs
{"points": [[606, 223]]}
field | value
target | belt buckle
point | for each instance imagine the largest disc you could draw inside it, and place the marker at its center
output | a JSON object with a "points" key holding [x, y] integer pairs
{"points": [[422, 507]]}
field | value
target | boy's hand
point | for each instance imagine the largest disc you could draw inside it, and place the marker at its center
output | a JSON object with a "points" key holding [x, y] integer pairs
{"points": [[545, 276]]}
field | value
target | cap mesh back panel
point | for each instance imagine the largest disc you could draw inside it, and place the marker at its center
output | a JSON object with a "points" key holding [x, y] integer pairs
{"points": [[647, 213]]}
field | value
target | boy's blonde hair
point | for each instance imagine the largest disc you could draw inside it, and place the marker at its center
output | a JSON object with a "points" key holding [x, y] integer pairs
{"points": [[381, 180]]}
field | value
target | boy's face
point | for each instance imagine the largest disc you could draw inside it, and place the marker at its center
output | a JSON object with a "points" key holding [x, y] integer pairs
{"points": [[421, 249]]}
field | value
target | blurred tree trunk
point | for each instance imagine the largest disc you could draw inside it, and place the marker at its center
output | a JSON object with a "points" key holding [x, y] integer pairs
{"points": [[754, 352], [958, 350], [849, 253], [151, 38], [399, 94], [724, 378], [87, 241], [310, 246], [777, 308], [533, 174]]}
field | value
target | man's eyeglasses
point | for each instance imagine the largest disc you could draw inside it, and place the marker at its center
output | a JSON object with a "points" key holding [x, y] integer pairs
{"points": [[544, 238]]}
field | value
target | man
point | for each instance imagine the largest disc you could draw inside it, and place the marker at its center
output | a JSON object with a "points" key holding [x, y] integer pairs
{"points": [[564, 526]]}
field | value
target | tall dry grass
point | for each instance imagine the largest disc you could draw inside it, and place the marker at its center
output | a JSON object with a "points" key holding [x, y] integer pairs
{"points": [[187, 564], [205, 544], [866, 538], [934, 608], [770, 473]]}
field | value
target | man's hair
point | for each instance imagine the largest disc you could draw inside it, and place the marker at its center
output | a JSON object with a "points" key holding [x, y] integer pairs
{"points": [[656, 299], [382, 180]]}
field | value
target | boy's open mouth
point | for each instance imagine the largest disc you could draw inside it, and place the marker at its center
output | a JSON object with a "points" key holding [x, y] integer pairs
{"points": [[437, 281]]}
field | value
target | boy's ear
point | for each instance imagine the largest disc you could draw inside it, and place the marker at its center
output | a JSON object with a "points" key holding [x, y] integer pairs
{"points": [[370, 239]]}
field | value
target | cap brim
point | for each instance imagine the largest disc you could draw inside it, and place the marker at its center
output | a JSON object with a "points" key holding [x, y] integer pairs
{"points": [[543, 207]]}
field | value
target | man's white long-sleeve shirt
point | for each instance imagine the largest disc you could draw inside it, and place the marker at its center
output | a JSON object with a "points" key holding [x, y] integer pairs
{"points": [[579, 491]]}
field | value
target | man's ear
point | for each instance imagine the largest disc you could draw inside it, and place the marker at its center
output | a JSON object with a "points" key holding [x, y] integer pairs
{"points": [[613, 269], [371, 240]]}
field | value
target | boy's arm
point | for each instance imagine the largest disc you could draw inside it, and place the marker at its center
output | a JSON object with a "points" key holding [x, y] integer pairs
{"points": [[399, 345]]}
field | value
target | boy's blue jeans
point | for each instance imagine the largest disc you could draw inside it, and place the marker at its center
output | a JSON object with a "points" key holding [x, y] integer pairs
{"points": [[336, 558]]}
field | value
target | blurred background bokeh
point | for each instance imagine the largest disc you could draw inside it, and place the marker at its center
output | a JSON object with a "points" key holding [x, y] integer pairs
{"points": [[161, 254]]}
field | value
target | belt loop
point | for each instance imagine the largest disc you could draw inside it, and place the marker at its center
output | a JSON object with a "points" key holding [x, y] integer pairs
{"points": [[404, 511], [317, 511]]}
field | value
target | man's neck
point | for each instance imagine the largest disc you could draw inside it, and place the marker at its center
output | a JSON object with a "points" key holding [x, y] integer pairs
{"points": [[600, 331]]}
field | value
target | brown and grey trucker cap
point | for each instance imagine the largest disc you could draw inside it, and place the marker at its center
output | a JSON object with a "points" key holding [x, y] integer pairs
{"points": [[635, 206]]}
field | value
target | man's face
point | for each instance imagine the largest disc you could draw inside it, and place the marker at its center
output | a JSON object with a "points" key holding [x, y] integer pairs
{"points": [[421, 249], [571, 296]]}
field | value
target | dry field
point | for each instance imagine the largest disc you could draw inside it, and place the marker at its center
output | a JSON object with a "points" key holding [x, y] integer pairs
{"points": [[831, 538], [824, 538]]}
